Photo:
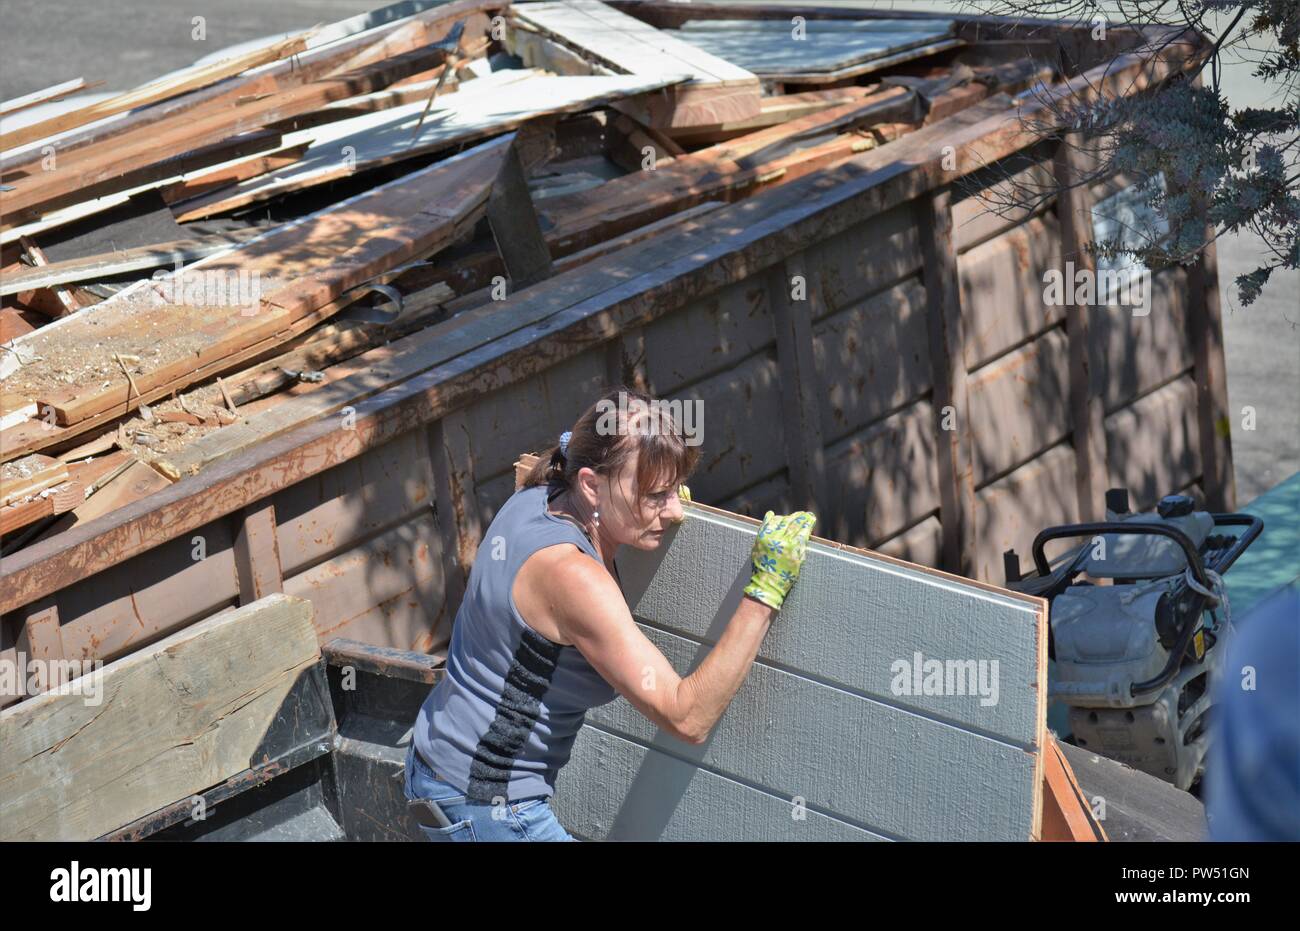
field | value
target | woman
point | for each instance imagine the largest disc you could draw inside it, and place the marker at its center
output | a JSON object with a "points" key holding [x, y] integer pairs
{"points": [[544, 633]]}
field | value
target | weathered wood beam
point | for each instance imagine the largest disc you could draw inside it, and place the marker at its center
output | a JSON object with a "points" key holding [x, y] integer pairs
{"points": [[1087, 408], [952, 414]]}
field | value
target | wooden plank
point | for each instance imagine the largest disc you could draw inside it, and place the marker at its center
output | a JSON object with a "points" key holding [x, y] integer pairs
{"points": [[532, 416], [883, 478], [708, 335], [853, 72], [873, 356], [988, 203], [348, 48], [46, 95], [625, 361], [625, 44], [106, 265], [135, 482], [332, 343], [451, 450], [1074, 212], [515, 228], [1010, 512], [232, 173], [33, 432], [14, 323], [137, 601], [417, 32], [953, 418], [745, 426], [356, 500], [1139, 807], [1019, 406], [153, 173], [40, 638], [257, 553], [829, 666], [792, 319], [849, 272], [172, 720], [1067, 812], [775, 110], [69, 303], [1214, 424], [388, 591], [1153, 448], [1002, 289], [921, 544], [1134, 354]]}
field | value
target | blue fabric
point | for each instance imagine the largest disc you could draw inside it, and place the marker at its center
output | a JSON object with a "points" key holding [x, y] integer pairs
{"points": [[529, 819], [502, 721], [1252, 774]]}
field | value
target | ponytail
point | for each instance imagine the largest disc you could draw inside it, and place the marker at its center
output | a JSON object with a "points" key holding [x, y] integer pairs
{"points": [[663, 451]]}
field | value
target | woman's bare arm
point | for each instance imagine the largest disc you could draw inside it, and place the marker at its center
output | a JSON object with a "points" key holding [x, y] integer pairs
{"points": [[600, 625]]}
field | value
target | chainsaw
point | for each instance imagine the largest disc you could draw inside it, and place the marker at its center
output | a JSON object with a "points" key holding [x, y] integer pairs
{"points": [[1139, 625]]}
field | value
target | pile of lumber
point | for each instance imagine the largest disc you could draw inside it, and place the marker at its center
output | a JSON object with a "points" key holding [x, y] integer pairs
{"points": [[219, 256]]}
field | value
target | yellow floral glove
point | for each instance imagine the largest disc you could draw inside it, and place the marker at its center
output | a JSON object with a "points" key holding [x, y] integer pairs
{"points": [[778, 555]]}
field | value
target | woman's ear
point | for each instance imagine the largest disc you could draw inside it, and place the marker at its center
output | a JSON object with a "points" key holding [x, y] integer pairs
{"points": [[589, 485]]}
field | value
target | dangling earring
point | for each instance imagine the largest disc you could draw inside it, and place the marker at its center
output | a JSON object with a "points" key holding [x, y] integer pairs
{"points": [[595, 516]]}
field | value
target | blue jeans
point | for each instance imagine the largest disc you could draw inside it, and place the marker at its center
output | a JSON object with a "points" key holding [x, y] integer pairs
{"points": [[524, 819]]}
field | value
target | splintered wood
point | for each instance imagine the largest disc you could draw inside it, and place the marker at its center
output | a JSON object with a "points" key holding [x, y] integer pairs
{"points": [[332, 251]]}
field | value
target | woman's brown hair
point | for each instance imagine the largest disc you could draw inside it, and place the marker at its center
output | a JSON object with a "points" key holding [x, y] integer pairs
{"points": [[640, 426]]}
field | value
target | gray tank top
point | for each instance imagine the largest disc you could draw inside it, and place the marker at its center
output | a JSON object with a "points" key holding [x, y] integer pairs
{"points": [[502, 720]]}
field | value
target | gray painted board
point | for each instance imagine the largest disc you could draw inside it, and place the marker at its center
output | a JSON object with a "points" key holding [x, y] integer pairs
{"points": [[819, 716], [616, 788]]}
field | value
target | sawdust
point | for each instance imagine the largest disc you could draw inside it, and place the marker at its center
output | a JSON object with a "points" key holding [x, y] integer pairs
{"points": [[23, 468], [153, 439], [78, 355]]}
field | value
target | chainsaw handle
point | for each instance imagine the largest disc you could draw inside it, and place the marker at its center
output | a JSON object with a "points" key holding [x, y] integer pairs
{"points": [[1128, 527]]}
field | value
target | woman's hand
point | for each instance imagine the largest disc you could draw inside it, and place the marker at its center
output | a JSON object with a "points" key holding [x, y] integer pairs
{"points": [[778, 556]]}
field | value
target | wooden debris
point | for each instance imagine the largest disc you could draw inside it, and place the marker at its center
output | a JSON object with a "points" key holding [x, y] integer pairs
{"points": [[409, 217], [47, 95], [106, 265], [615, 43], [191, 79], [29, 476]]}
